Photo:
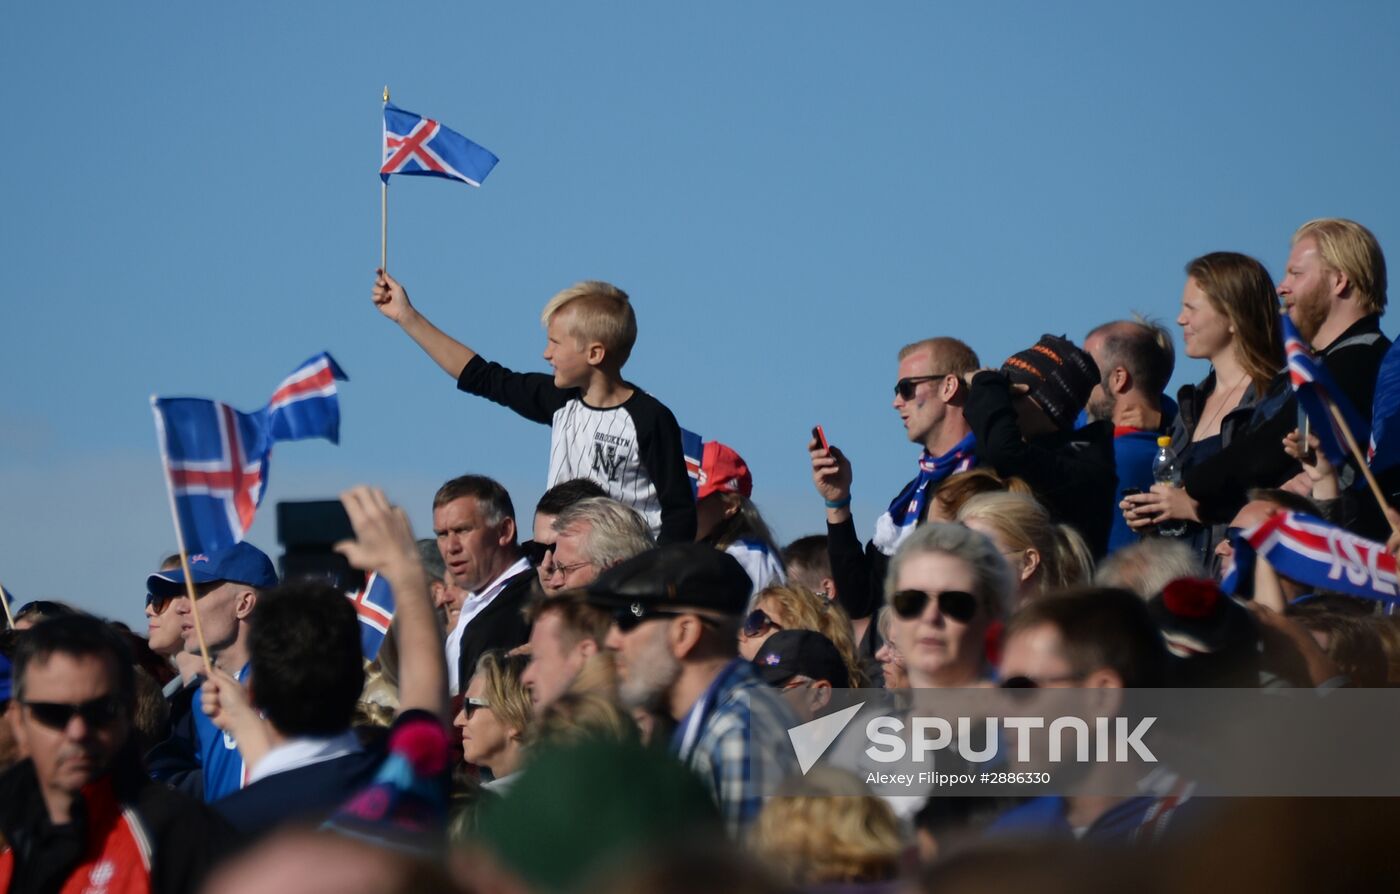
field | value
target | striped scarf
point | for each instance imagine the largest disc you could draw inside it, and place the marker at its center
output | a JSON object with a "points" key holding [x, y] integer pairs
{"points": [[906, 510]]}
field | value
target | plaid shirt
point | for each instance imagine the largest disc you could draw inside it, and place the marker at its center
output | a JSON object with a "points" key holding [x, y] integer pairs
{"points": [[741, 748]]}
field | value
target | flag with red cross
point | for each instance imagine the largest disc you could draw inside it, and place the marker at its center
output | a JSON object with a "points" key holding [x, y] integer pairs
{"points": [[417, 145]]}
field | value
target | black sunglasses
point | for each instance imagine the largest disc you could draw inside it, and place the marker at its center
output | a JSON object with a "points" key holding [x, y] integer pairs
{"points": [[536, 551], [906, 386], [630, 617], [758, 621], [954, 604], [1020, 682], [98, 713]]}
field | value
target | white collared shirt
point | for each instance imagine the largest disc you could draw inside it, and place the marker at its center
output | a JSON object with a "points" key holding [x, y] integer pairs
{"points": [[303, 752], [471, 607]]}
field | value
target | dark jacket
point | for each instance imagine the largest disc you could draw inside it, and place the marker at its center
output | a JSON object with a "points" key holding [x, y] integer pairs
{"points": [[1354, 358], [307, 794], [112, 815], [1071, 472], [1251, 447], [500, 625], [175, 759]]}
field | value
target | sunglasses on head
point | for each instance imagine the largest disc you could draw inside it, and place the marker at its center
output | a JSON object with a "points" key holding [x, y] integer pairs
{"points": [[757, 622], [98, 713], [906, 386], [953, 604], [536, 551]]}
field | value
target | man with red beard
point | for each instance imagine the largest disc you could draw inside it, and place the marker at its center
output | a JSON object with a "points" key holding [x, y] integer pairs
{"points": [[1334, 291]]}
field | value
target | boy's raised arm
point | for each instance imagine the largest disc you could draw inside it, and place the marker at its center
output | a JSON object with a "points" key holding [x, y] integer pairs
{"points": [[392, 301]]}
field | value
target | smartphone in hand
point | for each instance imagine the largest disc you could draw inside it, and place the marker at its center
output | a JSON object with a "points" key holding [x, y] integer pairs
{"points": [[820, 437]]}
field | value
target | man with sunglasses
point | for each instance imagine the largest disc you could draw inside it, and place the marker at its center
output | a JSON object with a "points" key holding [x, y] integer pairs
{"points": [[1091, 638], [80, 812], [929, 397], [804, 666], [226, 583], [676, 613], [539, 549]]}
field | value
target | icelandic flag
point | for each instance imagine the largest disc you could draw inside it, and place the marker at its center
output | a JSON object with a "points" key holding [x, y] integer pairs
{"points": [[417, 145], [374, 605], [1314, 388], [305, 404], [1316, 553], [216, 457], [693, 447], [1384, 449]]}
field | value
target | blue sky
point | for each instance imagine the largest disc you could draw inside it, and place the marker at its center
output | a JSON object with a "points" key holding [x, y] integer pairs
{"points": [[790, 191]]}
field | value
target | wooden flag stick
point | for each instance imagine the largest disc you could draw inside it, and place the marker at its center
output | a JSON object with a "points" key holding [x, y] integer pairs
{"points": [[180, 538], [1360, 459], [384, 211], [5, 601]]}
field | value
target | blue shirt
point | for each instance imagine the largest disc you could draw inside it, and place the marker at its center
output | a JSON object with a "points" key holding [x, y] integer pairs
{"points": [[219, 757]]}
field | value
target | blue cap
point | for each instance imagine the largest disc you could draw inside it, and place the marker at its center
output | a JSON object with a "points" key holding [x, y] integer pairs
{"points": [[4, 679], [241, 563]]}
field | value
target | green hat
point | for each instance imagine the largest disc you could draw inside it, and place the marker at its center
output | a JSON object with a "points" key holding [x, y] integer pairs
{"points": [[579, 808]]}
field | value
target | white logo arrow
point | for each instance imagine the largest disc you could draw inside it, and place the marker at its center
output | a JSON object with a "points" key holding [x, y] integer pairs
{"points": [[811, 740]]}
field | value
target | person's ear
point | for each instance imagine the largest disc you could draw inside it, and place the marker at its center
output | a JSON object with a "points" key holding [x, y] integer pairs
{"points": [[1341, 283], [588, 647], [1030, 561], [507, 535], [732, 504], [819, 696], [594, 353], [244, 602], [684, 634], [1120, 381]]}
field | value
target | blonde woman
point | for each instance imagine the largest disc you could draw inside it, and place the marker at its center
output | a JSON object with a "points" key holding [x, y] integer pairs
{"points": [[495, 717], [837, 835], [1043, 555], [787, 607]]}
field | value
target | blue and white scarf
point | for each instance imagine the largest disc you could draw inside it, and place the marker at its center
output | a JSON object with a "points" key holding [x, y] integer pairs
{"points": [[906, 510]]}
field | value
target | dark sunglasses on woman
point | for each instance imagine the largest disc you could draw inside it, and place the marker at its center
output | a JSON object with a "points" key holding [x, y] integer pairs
{"points": [[758, 623], [953, 604]]}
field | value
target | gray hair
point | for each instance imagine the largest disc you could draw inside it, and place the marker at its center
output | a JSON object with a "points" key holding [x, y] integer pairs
{"points": [[616, 532], [994, 582], [431, 557], [1147, 567]]}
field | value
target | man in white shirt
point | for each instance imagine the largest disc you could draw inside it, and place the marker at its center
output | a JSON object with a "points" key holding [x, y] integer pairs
{"points": [[474, 521]]}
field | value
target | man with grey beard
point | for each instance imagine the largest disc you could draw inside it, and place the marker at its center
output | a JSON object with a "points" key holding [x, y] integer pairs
{"points": [[676, 613]]}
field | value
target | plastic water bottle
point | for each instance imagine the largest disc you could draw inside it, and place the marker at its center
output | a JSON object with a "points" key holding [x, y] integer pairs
{"points": [[1166, 470]]}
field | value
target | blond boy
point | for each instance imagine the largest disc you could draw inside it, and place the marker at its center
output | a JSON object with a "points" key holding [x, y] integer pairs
{"points": [[602, 427]]}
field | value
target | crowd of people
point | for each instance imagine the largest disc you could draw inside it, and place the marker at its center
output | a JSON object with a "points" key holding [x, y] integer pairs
{"points": [[586, 708]]}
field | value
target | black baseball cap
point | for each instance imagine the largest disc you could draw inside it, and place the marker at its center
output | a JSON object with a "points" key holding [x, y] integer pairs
{"points": [[805, 653], [676, 576]]}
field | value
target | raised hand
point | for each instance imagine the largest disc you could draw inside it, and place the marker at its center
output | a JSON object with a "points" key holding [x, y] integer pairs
{"points": [[831, 472], [390, 297], [383, 536]]}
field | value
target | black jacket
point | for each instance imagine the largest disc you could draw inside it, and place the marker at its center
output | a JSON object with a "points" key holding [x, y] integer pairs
{"points": [[1073, 473], [500, 625], [186, 837]]}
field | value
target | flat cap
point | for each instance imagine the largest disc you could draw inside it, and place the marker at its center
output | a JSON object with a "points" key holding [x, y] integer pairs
{"points": [[678, 575]]}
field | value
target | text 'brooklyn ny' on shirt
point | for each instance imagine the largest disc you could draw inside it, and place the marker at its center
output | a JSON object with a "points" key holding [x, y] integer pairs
{"points": [[633, 451]]}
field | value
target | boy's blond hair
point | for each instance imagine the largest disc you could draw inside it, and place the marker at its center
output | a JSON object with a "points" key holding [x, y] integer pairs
{"points": [[602, 313]]}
